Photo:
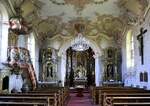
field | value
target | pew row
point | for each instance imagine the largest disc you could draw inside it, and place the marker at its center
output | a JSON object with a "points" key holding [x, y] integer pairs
{"points": [[98, 92], [47, 97], [131, 99], [29, 99]]}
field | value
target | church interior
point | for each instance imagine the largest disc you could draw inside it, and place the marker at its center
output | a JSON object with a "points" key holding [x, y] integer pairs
{"points": [[74, 52]]}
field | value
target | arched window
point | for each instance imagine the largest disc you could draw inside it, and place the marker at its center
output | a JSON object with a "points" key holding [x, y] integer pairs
{"points": [[130, 50], [3, 33]]}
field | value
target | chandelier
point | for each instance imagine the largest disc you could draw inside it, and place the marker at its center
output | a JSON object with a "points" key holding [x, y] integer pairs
{"points": [[80, 43]]}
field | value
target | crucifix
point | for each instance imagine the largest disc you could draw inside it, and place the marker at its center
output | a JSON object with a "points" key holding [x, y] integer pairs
{"points": [[141, 43]]}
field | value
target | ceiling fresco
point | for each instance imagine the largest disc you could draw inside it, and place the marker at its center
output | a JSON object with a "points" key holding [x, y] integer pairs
{"points": [[69, 12], [79, 5], [107, 18]]}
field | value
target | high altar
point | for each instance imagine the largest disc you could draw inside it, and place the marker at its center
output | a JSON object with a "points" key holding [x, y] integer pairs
{"points": [[80, 68], [80, 76]]}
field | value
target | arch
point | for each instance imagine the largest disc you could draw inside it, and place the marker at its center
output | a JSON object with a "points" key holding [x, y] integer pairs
{"points": [[98, 52], [3, 32], [92, 44], [5, 84]]}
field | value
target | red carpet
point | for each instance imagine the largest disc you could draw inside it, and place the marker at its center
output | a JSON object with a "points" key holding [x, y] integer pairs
{"points": [[80, 101]]}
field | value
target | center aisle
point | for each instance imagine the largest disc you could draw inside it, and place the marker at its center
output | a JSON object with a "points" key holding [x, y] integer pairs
{"points": [[86, 100]]}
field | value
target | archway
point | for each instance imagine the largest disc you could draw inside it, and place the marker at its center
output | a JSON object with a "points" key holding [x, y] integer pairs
{"points": [[97, 51]]}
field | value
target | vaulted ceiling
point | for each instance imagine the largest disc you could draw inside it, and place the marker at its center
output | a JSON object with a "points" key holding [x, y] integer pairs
{"points": [[99, 17]]}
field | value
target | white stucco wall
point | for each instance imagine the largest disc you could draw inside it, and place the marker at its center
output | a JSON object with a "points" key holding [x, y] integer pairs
{"points": [[134, 79]]}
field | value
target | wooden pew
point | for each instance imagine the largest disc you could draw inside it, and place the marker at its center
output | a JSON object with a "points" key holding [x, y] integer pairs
{"points": [[98, 97], [26, 101], [62, 93], [121, 91], [126, 99], [95, 92], [52, 99], [56, 97], [59, 94]]}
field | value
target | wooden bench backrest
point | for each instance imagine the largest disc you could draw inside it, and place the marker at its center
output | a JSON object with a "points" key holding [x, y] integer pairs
{"points": [[126, 99], [98, 97], [51, 98]]}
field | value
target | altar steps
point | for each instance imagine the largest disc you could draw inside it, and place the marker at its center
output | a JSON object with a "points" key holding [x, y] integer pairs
{"points": [[73, 90]]}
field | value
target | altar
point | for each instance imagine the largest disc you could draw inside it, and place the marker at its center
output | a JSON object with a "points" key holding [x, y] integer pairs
{"points": [[80, 78], [80, 82]]}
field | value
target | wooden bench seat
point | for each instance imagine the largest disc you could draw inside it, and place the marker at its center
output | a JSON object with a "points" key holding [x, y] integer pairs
{"points": [[23, 103], [50, 99], [126, 99], [99, 91], [17, 100], [39, 97]]}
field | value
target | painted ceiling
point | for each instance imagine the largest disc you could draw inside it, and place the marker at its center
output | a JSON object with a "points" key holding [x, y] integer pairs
{"points": [[98, 17]]}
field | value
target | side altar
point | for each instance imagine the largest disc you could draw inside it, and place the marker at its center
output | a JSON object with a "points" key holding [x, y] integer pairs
{"points": [[112, 67]]}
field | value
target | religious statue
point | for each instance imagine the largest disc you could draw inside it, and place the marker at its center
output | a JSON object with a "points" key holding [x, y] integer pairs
{"points": [[110, 71], [49, 70]]}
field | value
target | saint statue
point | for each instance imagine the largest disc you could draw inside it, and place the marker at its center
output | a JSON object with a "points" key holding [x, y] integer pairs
{"points": [[49, 70], [110, 71]]}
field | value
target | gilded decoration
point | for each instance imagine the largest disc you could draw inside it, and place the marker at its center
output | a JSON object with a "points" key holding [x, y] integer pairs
{"points": [[112, 65], [48, 61]]}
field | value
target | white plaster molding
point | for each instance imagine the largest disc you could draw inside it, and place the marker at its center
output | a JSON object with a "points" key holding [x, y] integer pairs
{"points": [[92, 44], [97, 51]]}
